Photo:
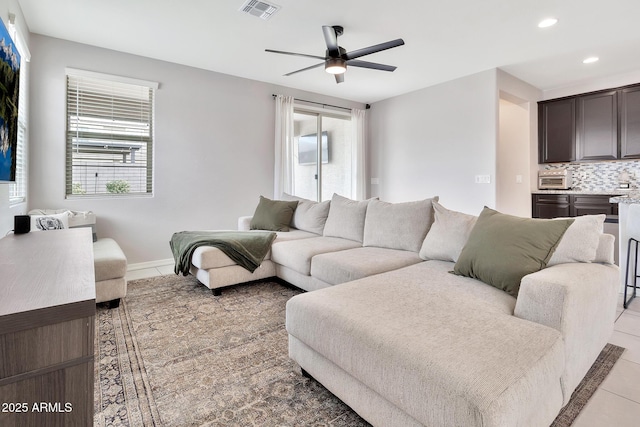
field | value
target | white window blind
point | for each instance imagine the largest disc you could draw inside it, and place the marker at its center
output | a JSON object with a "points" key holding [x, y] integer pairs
{"points": [[109, 135]]}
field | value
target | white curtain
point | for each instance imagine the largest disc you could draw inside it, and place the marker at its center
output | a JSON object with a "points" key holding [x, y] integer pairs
{"points": [[359, 154], [283, 181]]}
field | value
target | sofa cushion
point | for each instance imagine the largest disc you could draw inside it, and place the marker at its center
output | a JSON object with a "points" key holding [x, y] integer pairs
{"points": [[346, 218], [273, 215], [398, 225], [580, 242], [503, 248], [352, 264], [309, 216], [297, 254], [415, 359], [448, 234], [206, 257]]}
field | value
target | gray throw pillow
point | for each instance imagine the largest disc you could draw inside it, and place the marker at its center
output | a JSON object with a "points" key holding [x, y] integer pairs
{"points": [[580, 242], [273, 215], [502, 249], [448, 234], [309, 216], [346, 218], [398, 225]]}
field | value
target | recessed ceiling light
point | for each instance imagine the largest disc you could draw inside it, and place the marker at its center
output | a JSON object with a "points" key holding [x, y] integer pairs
{"points": [[548, 22], [590, 60]]}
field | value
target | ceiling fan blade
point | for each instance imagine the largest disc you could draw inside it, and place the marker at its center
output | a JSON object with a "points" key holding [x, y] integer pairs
{"points": [[373, 49], [331, 38], [295, 54], [339, 78], [305, 69], [372, 65]]}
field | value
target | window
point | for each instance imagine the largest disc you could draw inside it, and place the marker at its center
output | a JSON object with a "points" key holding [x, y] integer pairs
{"points": [[318, 180], [337, 138], [109, 135], [18, 189]]}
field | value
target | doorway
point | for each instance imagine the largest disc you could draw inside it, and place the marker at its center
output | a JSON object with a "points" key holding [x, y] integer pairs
{"points": [[322, 155]]}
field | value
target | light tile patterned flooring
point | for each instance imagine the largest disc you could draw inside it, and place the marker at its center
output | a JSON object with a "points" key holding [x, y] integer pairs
{"points": [[617, 400]]}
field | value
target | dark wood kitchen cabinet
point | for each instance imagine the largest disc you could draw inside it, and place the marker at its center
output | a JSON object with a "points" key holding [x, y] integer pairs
{"points": [[551, 205], [591, 204], [557, 131], [597, 126], [630, 122], [570, 205], [602, 125]]}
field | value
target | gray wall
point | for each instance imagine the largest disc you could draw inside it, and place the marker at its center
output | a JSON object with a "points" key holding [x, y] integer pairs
{"points": [[214, 151], [434, 141]]}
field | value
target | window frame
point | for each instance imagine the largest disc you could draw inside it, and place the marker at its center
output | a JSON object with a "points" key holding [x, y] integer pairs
{"points": [[18, 188], [104, 135]]}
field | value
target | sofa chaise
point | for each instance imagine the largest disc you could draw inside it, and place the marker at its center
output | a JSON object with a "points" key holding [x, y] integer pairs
{"points": [[411, 324]]}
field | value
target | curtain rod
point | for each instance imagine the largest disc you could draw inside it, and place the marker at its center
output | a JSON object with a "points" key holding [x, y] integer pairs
{"points": [[324, 105]]}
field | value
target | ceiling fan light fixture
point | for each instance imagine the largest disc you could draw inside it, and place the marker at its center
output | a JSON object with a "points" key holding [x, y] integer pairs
{"points": [[335, 66]]}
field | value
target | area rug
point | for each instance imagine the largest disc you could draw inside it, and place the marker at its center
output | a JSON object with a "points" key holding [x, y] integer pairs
{"points": [[173, 354]]}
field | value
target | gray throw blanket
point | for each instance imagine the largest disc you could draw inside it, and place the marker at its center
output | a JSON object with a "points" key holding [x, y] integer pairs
{"points": [[246, 248]]}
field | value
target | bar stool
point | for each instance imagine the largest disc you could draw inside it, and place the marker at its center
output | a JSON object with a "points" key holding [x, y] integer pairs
{"points": [[633, 230]]}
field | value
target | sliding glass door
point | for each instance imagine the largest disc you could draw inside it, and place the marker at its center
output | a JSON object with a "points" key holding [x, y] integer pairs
{"points": [[322, 155]]}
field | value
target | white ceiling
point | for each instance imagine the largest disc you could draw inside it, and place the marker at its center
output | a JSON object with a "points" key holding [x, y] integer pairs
{"points": [[444, 39]]}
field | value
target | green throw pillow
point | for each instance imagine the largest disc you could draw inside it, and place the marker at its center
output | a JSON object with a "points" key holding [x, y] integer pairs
{"points": [[273, 215], [502, 249]]}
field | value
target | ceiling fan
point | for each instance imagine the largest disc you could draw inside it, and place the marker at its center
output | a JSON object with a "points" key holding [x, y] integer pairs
{"points": [[336, 58]]}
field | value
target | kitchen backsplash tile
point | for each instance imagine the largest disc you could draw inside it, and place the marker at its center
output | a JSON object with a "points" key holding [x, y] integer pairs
{"points": [[601, 176]]}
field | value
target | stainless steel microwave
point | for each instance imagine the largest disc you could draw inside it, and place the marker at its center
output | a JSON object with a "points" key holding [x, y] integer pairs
{"points": [[554, 179]]}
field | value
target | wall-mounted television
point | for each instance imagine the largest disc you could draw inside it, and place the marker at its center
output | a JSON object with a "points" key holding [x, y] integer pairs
{"points": [[10, 84], [308, 148]]}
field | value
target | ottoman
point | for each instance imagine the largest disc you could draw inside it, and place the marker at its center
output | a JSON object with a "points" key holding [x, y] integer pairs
{"points": [[110, 267]]}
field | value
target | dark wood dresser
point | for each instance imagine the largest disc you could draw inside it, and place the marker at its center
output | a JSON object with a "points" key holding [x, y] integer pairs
{"points": [[47, 318]]}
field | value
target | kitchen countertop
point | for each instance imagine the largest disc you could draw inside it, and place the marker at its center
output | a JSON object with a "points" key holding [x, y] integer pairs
{"points": [[630, 198], [612, 193]]}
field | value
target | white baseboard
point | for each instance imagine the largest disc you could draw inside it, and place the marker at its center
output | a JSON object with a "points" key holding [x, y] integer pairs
{"points": [[150, 264]]}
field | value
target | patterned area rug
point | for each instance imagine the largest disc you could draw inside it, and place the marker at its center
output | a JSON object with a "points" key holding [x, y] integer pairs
{"points": [[173, 354]]}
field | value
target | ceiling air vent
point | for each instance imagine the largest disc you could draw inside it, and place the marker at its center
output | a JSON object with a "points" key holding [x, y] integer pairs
{"points": [[259, 8]]}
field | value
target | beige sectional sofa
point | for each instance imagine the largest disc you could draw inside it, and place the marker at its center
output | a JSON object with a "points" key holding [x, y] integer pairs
{"points": [[394, 334]]}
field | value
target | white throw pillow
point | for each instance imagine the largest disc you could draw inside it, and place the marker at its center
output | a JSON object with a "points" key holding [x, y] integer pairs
{"points": [[605, 253], [49, 222], [448, 234], [400, 226], [77, 219], [309, 216], [580, 241], [346, 218]]}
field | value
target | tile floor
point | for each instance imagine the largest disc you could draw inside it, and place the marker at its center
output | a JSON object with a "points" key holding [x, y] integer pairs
{"points": [[617, 400]]}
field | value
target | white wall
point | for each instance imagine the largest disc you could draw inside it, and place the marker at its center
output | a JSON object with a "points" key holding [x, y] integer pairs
{"points": [[517, 144], [608, 82], [434, 141], [7, 212], [214, 152], [513, 197]]}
